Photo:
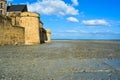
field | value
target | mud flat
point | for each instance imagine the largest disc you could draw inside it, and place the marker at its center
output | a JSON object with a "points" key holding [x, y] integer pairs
{"points": [[61, 60]]}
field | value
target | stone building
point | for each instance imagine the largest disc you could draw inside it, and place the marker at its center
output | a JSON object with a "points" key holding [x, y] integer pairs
{"points": [[3, 7], [20, 26]]}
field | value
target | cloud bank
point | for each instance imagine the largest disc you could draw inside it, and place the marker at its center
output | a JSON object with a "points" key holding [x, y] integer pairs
{"points": [[98, 22], [53, 7]]}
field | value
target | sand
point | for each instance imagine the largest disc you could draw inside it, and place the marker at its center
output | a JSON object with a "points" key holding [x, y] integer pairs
{"points": [[61, 60]]}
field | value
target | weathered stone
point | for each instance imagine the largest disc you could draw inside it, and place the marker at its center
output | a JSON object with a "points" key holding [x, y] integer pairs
{"points": [[21, 27]]}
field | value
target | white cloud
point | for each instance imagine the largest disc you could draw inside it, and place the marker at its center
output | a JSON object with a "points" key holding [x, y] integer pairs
{"points": [[74, 31], [75, 2], [52, 7], [72, 19], [98, 22]]}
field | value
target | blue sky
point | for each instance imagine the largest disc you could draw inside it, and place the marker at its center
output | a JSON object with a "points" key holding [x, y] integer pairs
{"points": [[78, 19]]}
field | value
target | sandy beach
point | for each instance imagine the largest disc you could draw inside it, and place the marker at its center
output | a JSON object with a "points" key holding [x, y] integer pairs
{"points": [[61, 60]]}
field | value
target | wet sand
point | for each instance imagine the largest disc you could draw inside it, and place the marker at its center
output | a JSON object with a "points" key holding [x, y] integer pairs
{"points": [[61, 60]]}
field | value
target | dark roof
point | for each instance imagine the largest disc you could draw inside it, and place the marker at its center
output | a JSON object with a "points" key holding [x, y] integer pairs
{"points": [[14, 8]]}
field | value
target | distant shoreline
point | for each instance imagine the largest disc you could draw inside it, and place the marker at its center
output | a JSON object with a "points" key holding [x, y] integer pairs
{"points": [[89, 39]]}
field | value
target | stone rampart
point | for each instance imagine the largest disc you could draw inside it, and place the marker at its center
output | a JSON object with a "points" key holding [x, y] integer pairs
{"points": [[30, 21], [48, 35], [11, 34]]}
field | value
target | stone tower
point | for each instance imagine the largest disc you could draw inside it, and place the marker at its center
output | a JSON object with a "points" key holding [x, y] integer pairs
{"points": [[3, 8], [30, 21], [48, 33]]}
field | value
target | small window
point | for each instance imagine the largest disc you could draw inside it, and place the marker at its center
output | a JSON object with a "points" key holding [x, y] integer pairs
{"points": [[1, 5], [0, 11]]}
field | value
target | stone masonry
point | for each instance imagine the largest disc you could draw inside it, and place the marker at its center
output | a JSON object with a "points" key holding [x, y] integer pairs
{"points": [[22, 27]]}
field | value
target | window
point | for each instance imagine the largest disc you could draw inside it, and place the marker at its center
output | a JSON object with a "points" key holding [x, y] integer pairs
{"points": [[0, 11], [1, 5]]}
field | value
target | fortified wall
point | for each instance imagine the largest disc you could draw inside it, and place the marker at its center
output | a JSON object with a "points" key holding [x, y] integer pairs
{"points": [[17, 25], [10, 34], [30, 21], [24, 28], [34, 31]]}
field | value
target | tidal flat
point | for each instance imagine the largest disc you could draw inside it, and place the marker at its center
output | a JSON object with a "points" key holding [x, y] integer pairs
{"points": [[61, 60]]}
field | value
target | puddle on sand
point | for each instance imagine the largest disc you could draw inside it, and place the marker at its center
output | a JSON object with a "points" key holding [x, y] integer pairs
{"points": [[84, 69], [107, 70], [115, 63]]}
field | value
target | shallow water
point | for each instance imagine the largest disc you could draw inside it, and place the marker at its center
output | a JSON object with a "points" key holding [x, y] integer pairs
{"points": [[61, 60]]}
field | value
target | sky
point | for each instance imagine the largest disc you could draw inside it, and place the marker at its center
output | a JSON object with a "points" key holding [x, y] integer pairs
{"points": [[78, 19]]}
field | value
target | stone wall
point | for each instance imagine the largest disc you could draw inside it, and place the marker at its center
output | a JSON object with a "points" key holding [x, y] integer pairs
{"points": [[45, 35], [30, 21], [15, 17], [11, 34], [3, 7], [22, 27], [48, 35]]}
